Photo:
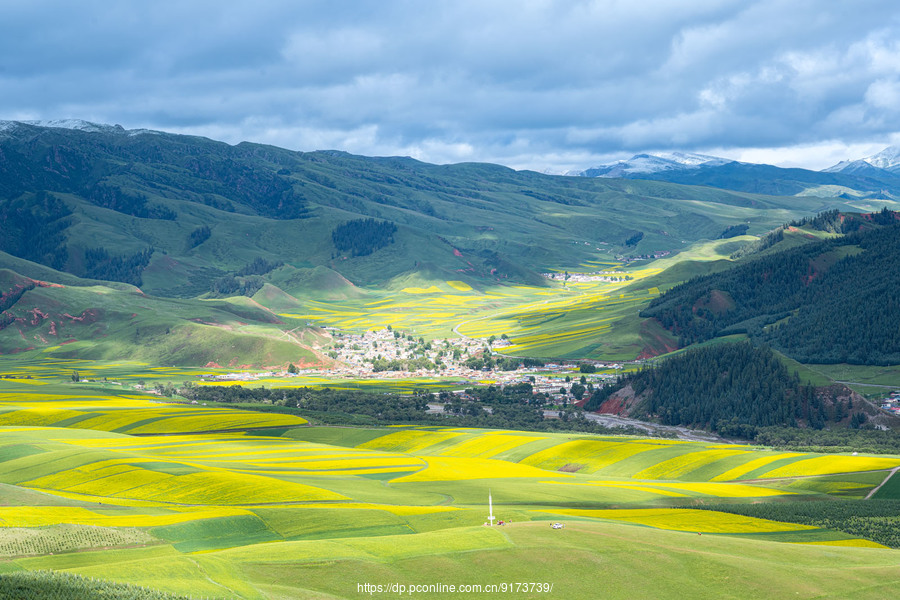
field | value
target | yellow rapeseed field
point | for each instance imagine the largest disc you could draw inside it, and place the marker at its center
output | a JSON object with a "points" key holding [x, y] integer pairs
{"points": [[220, 420], [674, 468], [332, 472], [227, 488], [410, 440], [41, 516], [754, 464], [108, 479], [39, 416], [592, 455], [441, 468], [99, 479], [114, 413], [396, 509], [723, 490], [853, 543], [461, 286], [487, 446], [673, 488], [831, 464], [355, 464]]}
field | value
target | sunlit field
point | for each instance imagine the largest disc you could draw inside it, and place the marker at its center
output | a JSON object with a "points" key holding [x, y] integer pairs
{"points": [[556, 321], [213, 506], [563, 319]]}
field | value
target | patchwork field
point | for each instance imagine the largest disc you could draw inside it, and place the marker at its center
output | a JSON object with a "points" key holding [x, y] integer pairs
{"points": [[205, 503], [561, 319]]}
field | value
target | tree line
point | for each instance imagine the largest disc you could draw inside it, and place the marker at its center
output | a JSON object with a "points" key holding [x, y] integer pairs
{"points": [[734, 389], [125, 202], [198, 236], [246, 281], [490, 408], [34, 228], [361, 237], [99, 264], [830, 301], [873, 519]]}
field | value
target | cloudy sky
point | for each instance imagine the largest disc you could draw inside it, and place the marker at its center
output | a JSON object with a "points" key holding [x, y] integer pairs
{"points": [[545, 85]]}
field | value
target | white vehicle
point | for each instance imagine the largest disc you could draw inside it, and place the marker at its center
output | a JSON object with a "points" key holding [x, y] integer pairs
{"points": [[558, 526]]}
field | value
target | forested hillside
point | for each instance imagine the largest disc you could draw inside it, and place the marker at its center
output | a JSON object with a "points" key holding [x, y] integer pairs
{"points": [[830, 301], [734, 389]]}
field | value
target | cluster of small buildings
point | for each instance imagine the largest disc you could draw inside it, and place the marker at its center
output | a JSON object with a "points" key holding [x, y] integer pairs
{"points": [[359, 351], [355, 354], [892, 403], [650, 256], [608, 276], [238, 376]]}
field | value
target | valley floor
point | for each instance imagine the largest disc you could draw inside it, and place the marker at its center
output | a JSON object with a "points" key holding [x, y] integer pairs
{"points": [[119, 486]]}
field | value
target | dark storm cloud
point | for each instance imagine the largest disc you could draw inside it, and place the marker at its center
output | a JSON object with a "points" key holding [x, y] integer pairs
{"points": [[530, 84]]}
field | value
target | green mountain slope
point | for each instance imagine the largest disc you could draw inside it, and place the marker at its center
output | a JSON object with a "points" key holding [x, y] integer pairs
{"points": [[172, 214], [119, 322], [734, 389], [829, 301]]}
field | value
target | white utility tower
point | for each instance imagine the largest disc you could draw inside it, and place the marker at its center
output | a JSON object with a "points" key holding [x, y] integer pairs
{"points": [[490, 509]]}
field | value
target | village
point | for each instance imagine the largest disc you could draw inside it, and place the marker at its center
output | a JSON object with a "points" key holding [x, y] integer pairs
{"points": [[607, 276], [892, 403], [391, 354]]}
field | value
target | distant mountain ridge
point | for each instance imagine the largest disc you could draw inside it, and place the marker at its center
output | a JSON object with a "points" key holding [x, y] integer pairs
{"points": [[888, 160], [653, 163], [874, 178], [174, 245]]}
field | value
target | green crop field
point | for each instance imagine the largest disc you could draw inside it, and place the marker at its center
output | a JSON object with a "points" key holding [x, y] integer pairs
{"points": [[577, 319], [322, 512]]}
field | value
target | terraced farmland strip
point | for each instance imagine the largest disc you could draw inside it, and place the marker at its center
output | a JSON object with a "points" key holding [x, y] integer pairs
{"points": [[586, 456], [488, 446], [826, 465], [442, 468], [41, 516], [677, 467], [753, 465], [408, 440]]}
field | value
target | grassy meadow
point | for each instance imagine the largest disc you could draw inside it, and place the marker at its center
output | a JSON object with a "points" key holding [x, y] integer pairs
{"points": [[211, 502], [559, 320]]}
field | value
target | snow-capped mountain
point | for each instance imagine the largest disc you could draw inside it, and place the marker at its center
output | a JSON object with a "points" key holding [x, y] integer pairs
{"points": [[653, 163], [887, 160], [876, 177], [77, 124]]}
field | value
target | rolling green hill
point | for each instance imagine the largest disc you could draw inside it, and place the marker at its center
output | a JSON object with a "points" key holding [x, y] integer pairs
{"points": [[119, 322], [828, 301], [172, 214], [125, 220], [118, 493]]}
